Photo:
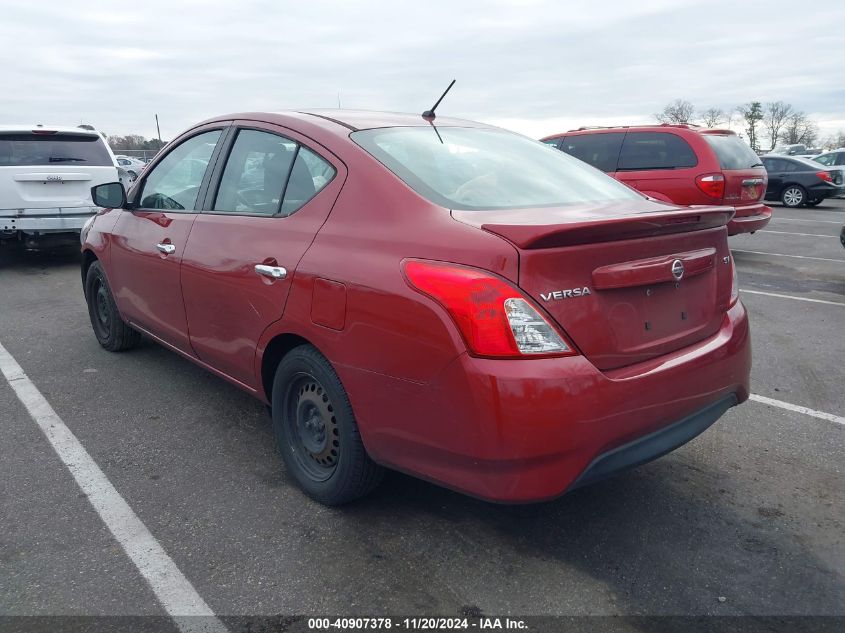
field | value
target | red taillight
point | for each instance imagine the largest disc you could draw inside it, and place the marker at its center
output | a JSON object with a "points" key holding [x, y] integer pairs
{"points": [[824, 176], [494, 318], [712, 184]]}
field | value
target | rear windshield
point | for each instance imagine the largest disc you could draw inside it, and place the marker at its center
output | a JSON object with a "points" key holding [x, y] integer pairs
{"points": [[732, 152], [27, 149], [471, 168]]}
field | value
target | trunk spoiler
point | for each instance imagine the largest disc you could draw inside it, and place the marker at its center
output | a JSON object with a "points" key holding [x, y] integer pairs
{"points": [[553, 227]]}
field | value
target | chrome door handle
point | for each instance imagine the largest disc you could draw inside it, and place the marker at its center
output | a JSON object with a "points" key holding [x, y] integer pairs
{"points": [[274, 272], [167, 249]]}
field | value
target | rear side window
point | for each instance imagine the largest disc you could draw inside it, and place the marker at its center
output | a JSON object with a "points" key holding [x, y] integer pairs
{"points": [[732, 152], [599, 150], [268, 174], [27, 149], [655, 150]]}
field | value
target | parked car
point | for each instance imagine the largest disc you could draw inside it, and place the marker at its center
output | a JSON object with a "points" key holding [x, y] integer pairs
{"points": [[793, 149], [131, 165], [799, 181], [834, 158], [46, 175], [842, 236], [441, 297], [681, 164]]}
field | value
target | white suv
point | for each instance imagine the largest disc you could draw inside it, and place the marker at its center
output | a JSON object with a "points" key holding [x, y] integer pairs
{"points": [[46, 175]]}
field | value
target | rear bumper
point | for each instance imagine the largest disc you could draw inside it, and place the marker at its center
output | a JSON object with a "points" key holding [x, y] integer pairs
{"points": [[60, 220], [749, 218], [518, 431]]}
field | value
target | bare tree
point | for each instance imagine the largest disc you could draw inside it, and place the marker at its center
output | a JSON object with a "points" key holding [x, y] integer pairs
{"points": [[835, 141], [799, 128], [711, 117], [775, 116], [679, 111], [752, 113]]}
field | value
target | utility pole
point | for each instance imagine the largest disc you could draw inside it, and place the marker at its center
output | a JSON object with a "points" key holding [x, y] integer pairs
{"points": [[158, 129]]}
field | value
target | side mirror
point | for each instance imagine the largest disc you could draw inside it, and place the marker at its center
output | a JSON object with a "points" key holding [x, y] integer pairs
{"points": [[111, 195]]}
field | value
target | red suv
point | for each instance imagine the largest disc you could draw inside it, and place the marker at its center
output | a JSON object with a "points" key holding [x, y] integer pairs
{"points": [[681, 164], [440, 297]]}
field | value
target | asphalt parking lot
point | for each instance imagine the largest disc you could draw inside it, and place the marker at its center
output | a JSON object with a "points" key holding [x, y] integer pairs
{"points": [[748, 519]]}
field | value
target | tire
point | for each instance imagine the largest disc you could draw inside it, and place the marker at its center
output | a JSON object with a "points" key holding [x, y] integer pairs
{"points": [[112, 332], [815, 202], [793, 196], [316, 432]]}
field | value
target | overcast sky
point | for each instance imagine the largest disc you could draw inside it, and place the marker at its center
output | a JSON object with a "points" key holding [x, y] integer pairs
{"points": [[534, 66]]}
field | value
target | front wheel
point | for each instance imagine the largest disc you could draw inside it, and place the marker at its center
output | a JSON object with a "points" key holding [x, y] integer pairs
{"points": [[111, 331], [316, 431], [793, 196]]}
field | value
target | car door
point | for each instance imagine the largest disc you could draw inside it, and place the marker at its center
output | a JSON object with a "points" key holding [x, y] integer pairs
{"points": [[659, 164], [149, 238], [776, 169], [268, 199]]}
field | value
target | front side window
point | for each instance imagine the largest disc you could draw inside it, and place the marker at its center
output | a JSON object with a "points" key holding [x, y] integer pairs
{"points": [[175, 182], [19, 149], [268, 174], [477, 168], [601, 150], [655, 150]]}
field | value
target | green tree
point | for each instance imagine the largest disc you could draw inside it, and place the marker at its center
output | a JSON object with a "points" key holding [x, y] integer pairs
{"points": [[753, 114]]}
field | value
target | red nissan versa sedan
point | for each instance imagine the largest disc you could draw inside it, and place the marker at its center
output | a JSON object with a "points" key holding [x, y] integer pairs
{"points": [[440, 297], [681, 164]]}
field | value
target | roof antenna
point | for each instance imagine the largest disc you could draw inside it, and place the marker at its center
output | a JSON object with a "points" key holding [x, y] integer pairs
{"points": [[429, 114]]}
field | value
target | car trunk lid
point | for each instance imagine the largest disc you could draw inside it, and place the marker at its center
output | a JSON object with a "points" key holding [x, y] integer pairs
{"points": [[625, 282]]}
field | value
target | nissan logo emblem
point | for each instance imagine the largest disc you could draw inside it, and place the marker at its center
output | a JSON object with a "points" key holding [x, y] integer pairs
{"points": [[677, 269]]}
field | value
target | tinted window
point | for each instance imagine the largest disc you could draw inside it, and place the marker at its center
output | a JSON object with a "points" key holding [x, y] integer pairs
{"points": [[471, 168], [732, 152], [840, 158], [309, 175], [599, 150], [655, 150], [27, 149], [175, 182], [262, 168]]}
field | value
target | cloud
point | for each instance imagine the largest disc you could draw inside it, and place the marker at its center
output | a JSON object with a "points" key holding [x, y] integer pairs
{"points": [[537, 66]]}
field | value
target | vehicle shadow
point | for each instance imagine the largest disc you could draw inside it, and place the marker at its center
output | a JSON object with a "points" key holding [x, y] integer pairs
{"points": [[16, 257], [673, 537]]}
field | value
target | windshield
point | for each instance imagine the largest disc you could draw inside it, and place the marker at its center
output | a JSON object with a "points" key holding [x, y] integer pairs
{"points": [[471, 168], [732, 152], [27, 149]]}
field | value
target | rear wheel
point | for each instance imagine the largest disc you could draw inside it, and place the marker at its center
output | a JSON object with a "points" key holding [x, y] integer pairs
{"points": [[793, 196], [316, 431], [110, 329]]}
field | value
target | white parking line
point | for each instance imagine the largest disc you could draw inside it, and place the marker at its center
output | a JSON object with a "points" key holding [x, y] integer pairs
{"points": [[821, 415], [176, 594], [790, 233], [801, 220], [780, 296], [821, 259]]}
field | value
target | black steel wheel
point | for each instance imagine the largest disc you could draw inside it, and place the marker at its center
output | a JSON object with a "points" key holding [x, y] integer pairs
{"points": [[316, 431], [111, 331]]}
